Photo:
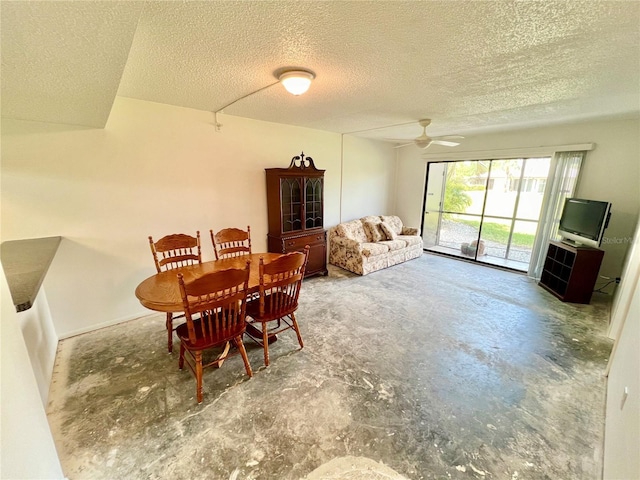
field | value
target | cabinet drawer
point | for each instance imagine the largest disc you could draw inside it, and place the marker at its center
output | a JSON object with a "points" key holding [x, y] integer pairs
{"points": [[298, 243], [317, 241]]}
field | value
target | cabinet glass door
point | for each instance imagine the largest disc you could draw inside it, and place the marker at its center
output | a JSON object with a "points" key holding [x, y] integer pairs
{"points": [[313, 203], [291, 191]]}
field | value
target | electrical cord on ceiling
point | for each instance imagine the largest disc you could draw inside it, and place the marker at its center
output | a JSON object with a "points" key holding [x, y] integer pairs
{"points": [[379, 128], [215, 114]]}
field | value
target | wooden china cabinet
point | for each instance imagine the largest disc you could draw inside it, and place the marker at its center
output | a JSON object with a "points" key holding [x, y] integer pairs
{"points": [[295, 204]]}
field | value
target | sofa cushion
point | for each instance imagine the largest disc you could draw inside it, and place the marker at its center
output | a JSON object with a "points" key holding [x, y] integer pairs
{"points": [[388, 230], [394, 221], [353, 230], [373, 231], [410, 239], [394, 244], [373, 249]]}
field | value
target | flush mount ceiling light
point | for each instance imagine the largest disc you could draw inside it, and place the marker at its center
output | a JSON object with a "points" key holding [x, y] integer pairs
{"points": [[296, 82]]}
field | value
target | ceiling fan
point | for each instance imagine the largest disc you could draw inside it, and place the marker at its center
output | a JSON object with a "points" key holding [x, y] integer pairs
{"points": [[424, 140]]}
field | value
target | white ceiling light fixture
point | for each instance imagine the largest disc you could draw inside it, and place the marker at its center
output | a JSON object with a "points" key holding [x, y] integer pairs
{"points": [[296, 82]]}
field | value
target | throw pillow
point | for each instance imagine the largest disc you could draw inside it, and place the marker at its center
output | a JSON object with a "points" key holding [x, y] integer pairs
{"points": [[388, 231], [373, 231], [394, 222]]}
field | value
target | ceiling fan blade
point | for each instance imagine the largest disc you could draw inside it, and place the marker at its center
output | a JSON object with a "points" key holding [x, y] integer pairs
{"points": [[424, 140], [450, 137], [446, 143], [448, 140]]}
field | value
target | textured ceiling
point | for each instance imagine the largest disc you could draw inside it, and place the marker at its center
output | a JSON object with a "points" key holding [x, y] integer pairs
{"points": [[470, 66], [62, 61]]}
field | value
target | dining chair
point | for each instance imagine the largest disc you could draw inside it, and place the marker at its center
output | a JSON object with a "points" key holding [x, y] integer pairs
{"points": [[231, 242], [174, 251], [273, 311], [219, 298]]}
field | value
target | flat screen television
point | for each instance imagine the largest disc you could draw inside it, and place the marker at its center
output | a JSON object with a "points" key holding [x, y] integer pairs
{"points": [[583, 221]]}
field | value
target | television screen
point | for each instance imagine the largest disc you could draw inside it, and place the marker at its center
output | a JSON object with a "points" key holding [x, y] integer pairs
{"points": [[583, 221]]}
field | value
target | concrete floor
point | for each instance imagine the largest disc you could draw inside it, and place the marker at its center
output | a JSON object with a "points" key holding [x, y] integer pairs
{"points": [[435, 368]]}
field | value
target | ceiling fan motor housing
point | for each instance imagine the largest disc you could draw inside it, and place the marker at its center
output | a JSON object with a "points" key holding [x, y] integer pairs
{"points": [[423, 141]]}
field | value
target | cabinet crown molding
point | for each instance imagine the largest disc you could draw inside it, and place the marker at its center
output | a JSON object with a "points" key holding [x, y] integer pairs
{"points": [[301, 162]]}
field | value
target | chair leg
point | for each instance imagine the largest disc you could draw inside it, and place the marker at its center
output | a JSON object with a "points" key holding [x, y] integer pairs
{"points": [[199, 376], [265, 343], [170, 332], [243, 353], [181, 359], [295, 327]]}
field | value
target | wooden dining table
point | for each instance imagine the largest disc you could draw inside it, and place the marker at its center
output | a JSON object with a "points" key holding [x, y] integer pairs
{"points": [[161, 292]]}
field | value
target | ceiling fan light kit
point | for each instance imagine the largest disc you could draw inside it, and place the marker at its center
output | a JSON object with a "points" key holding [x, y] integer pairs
{"points": [[296, 82]]}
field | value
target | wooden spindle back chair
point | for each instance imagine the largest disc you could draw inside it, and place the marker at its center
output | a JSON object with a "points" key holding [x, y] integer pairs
{"points": [[174, 251], [280, 283], [219, 300], [231, 242]]}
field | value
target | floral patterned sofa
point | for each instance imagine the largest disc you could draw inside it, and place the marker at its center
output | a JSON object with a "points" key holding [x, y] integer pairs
{"points": [[372, 243]]}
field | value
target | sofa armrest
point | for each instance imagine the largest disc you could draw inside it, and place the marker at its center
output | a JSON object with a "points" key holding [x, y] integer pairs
{"points": [[409, 231], [347, 243]]}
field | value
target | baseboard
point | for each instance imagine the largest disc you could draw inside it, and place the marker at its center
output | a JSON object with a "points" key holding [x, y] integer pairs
{"points": [[109, 323]]}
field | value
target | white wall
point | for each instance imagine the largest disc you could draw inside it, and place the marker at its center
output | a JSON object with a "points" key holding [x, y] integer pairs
{"points": [[610, 172], [622, 429], [411, 176], [28, 451], [368, 178], [623, 295], [41, 341], [157, 169]]}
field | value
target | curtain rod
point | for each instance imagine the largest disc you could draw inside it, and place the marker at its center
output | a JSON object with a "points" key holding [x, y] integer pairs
{"points": [[510, 152]]}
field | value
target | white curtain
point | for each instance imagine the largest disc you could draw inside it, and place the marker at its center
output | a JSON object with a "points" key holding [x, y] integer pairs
{"points": [[561, 184]]}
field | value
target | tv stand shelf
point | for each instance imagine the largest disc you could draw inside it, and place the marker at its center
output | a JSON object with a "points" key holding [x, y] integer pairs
{"points": [[570, 272]]}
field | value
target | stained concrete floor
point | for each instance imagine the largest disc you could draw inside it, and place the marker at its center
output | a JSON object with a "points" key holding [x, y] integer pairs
{"points": [[434, 368]]}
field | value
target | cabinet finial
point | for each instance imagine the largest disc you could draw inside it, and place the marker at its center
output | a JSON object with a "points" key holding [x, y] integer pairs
{"points": [[305, 162]]}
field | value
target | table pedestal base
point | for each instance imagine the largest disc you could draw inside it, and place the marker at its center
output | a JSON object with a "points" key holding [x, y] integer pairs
{"points": [[257, 334]]}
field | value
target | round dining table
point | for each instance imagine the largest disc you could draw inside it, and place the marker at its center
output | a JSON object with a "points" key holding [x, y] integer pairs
{"points": [[160, 292]]}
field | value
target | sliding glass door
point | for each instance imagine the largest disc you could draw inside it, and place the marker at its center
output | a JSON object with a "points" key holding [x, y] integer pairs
{"points": [[485, 210]]}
